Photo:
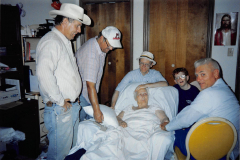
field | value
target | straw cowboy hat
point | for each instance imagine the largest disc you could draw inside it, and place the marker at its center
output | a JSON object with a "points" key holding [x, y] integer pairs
{"points": [[71, 11], [147, 55]]}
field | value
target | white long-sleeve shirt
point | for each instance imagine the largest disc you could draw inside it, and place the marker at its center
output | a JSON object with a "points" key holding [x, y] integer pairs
{"points": [[215, 101], [56, 69]]}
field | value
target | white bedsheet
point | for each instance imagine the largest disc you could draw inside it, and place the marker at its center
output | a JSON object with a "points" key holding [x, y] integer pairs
{"points": [[140, 140]]}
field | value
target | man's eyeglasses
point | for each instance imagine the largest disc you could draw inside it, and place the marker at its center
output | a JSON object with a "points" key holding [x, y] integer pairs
{"points": [[182, 77], [108, 45], [146, 64]]}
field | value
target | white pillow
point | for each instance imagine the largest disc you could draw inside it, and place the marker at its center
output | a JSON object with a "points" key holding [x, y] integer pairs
{"points": [[165, 97], [126, 97], [110, 118]]}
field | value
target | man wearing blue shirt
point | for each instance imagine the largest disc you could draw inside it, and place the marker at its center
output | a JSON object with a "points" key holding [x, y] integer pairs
{"points": [[215, 100], [151, 77]]}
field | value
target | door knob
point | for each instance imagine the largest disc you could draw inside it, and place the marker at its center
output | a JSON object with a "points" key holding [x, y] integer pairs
{"points": [[109, 63], [173, 65]]}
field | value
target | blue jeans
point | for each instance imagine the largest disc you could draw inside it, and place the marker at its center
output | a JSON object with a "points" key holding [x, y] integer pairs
{"points": [[83, 114], [62, 129]]}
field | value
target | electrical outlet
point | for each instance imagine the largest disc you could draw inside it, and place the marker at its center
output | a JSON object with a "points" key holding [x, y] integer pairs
{"points": [[230, 51]]}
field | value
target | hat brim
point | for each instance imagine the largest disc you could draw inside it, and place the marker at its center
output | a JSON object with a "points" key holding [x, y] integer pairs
{"points": [[86, 20], [154, 62], [115, 44]]}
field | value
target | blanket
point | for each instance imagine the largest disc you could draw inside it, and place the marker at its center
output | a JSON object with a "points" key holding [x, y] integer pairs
{"points": [[141, 140]]}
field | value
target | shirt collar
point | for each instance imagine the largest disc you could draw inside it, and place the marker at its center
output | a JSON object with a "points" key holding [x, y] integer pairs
{"points": [[219, 81], [64, 38], [141, 72], [99, 51]]}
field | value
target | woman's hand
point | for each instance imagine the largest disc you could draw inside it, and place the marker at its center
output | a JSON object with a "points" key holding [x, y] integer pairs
{"points": [[141, 86], [123, 124], [162, 126]]}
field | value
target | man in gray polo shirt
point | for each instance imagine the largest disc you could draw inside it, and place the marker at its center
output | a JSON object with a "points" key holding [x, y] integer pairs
{"points": [[91, 59]]}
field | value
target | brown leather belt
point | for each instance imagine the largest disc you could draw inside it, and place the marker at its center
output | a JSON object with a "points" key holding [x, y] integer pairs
{"points": [[50, 104]]}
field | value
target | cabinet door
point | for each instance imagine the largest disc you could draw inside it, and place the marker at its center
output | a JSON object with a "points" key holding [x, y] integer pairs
{"points": [[27, 121], [177, 34]]}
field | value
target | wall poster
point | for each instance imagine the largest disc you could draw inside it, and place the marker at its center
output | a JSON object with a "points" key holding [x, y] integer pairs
{"points": [[226, 29]]}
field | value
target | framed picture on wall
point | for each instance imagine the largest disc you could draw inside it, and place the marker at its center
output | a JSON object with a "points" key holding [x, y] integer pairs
{"points": [[226, 29]]}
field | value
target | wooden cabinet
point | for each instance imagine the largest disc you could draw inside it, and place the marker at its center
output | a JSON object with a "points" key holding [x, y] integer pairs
{"points": [[36, 95], [42, 129]]}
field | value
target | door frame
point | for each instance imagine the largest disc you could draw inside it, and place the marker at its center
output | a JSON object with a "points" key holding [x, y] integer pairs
{"points": [[82, 3], [209, 30], [237, 81]]}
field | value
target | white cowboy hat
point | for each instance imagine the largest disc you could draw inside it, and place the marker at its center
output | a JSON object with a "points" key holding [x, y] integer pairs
{"points": [[147, 55], [113, 36], [71, 11]]}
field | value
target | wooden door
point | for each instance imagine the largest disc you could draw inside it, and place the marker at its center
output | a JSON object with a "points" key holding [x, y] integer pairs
{"points": [[178, 32], [118, 62]]}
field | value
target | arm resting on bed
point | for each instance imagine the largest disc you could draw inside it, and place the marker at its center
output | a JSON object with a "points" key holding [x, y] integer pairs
{"points": [[162, 116], [120, 121]]}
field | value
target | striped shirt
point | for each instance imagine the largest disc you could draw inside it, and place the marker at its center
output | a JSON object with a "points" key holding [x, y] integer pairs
{"points": [[152, 76], [56, 69], [90, 61]]}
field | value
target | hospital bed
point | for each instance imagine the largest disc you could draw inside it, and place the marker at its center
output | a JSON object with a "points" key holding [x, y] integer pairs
{"points": [[109, 144]]}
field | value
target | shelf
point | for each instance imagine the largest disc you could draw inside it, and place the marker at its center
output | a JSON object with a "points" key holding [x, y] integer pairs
{"points": [[32, 37], [30, 61], [11, 75]]}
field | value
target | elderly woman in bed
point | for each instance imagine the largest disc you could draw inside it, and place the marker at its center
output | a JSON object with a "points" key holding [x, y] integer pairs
{"points": [[141, 96]]}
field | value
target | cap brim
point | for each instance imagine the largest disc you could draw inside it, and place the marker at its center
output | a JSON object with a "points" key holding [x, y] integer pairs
{"points": [[86, 20], [115, 44], [154, 62]]}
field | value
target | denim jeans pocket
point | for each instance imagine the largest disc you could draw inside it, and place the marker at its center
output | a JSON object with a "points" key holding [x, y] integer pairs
{"points": [[48, 121]]}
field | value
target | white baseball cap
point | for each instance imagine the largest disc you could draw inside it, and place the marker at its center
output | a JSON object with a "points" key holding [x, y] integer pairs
{"points": [[71, 11], [113, 35], [147, 55]]}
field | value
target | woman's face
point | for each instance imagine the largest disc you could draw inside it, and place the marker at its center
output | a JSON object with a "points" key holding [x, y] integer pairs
{"points": [[142, 97]]}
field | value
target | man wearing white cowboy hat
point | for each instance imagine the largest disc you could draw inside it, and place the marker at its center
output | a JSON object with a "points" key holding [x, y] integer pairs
{"points": [[59, 81], [91, 59], [151, 77]]}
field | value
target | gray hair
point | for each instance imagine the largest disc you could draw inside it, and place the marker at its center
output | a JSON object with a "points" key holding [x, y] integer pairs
{"points": [[135, 93], [211, 61]]}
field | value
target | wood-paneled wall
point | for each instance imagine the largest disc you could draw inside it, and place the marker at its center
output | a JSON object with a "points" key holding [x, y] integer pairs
{"points": [[178, 31]]}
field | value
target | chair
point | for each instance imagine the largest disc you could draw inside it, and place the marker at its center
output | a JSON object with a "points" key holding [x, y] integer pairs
{"points": [[209, 139]]}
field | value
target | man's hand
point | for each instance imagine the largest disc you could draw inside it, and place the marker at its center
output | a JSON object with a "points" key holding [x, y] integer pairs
{"points": [[140, 87], [163, 126], [113, 107], [123, 124], [98, 116], [66, 104]]}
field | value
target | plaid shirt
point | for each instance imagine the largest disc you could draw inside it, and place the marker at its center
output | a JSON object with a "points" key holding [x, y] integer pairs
{"points": [[90, 60]]}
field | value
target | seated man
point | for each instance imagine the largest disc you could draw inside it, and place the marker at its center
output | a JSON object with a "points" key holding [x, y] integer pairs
{"points": [[215, 100], [152, 77], [140, 138]]}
